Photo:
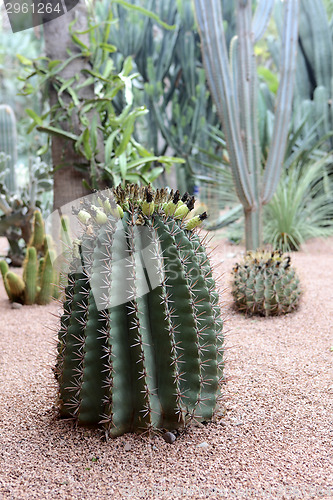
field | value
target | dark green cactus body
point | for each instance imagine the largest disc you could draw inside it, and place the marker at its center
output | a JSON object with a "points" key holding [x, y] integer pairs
{"points": [[265, 284], [140, 344]]}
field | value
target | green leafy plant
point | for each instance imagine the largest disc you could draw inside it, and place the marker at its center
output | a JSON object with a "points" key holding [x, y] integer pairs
{"points": [[141, 278], [302, 206], [105, 138], [169, 82], [265, 283], [39, 282]]}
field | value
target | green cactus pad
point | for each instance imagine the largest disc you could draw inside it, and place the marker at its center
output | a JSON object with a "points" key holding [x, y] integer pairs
{"points": [[265, 283], [140, 345]]}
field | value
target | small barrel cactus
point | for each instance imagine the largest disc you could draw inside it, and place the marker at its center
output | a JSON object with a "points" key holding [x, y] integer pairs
{"points": [[140, 343], [265, 283]]}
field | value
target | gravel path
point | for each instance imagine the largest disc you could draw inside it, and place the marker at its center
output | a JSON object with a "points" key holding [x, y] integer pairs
{"points": [[273, 433]]}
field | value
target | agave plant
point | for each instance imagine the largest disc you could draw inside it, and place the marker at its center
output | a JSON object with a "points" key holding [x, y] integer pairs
{"points": [[302, 206]]}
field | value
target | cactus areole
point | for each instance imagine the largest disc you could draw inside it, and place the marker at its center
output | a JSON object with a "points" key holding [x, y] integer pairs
{"points": [[140, 343]]}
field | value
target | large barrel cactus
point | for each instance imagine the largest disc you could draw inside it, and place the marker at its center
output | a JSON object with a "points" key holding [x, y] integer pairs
{"points": [[140, 343], [265, 283]]}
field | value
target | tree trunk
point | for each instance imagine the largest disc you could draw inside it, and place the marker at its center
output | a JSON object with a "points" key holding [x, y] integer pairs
{"points": [[67, 179]]}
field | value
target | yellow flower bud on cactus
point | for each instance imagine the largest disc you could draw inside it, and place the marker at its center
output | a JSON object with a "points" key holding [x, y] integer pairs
{"points": [[148, 205], [100, 217], [195, 221], [148, 208], [170, 208], [107, 206], [181, 211], [120, 211], [83, 216]]}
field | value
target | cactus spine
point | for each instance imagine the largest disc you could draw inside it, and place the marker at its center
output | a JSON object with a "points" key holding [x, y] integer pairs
{"points": [[8, 144], [39, 278], [139, 346]]}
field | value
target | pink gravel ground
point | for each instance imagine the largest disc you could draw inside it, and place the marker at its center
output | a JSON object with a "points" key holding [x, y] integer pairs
{"points": [[271, 439]]}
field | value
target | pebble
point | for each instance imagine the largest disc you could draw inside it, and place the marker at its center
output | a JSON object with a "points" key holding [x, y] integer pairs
{"points": [[16, 305], [204, 444], [169, 437], [127, 447]]}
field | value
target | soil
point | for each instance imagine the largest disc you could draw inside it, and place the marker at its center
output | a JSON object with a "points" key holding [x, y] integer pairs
{"points": [[271, 438]]}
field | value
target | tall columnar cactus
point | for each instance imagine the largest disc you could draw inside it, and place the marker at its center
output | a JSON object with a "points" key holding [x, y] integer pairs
{"points": [[234, 87], [39, 281], [140, 341], [8, 145], [265, 283], [314, 70]]}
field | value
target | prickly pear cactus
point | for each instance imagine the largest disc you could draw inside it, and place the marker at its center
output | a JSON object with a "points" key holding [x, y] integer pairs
{"points": [[140, 342], [265, 283]]}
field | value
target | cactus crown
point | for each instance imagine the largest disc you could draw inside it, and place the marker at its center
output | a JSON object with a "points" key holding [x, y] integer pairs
{"points": [[140, 340], [145, 201], [265, 283], [265, 259]]}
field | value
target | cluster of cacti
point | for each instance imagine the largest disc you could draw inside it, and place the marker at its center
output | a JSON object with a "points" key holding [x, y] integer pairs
{"points": [[39, 281], [314, 70], [140, 342], [8, 145], [232, 78], [17, 209], [265, 283]]}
